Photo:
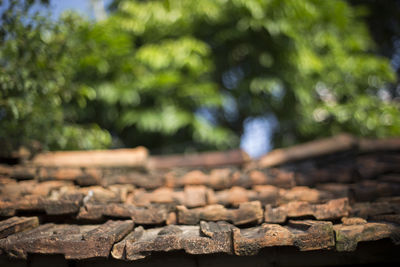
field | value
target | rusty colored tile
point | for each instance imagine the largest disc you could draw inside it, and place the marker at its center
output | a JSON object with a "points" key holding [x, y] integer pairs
{"points": [[249, 212], [59, 173], [195, 196], [234, 196], [303, 193], [333, 209], [272, 176]]}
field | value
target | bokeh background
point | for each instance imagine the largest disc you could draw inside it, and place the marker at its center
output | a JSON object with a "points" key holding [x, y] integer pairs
{"points": [[184, 76]]}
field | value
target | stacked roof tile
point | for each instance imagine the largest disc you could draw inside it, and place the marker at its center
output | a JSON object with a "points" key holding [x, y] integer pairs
{"points": [[329, 194]]}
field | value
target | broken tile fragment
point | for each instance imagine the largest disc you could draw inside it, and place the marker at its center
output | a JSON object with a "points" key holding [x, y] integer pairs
{"points": [[348, 236], [209, 237], [17, 224], [73, 241], [234, 196], [249, 212], [333, 209]]}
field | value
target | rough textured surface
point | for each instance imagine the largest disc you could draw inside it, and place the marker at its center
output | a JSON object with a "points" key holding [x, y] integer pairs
{"points": [[333, 209], [17, 224], [209, 237], [348, 236], [73, 241], [140, 215], [249, 212], [306, 235], [323, 203]]}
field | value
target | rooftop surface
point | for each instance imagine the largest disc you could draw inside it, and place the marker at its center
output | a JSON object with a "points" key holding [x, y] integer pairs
{"points": [[334, 201]]}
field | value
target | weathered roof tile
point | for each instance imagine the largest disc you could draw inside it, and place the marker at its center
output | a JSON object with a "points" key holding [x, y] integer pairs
{"points": [[348, 236], [200, 207], [306, 235], [17, 224], [248, 212], [73, 241], [333, 209]]}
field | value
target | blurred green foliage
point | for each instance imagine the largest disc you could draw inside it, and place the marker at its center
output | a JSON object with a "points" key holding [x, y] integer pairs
{"points": [[179, 75]]}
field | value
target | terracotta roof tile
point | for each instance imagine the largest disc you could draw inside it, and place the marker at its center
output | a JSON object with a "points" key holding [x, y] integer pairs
{"points": [[348, 236], [17, 224], [203, 204], [247, 212], [208, 237], [73, 241], [333, 209]]}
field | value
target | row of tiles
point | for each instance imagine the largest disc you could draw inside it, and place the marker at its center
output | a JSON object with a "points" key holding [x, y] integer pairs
{"points": [[18, 193], [88, 208], [23, 235], [348, 171]]}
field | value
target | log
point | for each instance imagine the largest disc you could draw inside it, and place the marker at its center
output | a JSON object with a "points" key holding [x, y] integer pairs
{"points": [[134, 157], [308, 150]]}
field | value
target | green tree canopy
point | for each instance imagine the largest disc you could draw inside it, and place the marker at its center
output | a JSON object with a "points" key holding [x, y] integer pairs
{"points": [[178, 75]]}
